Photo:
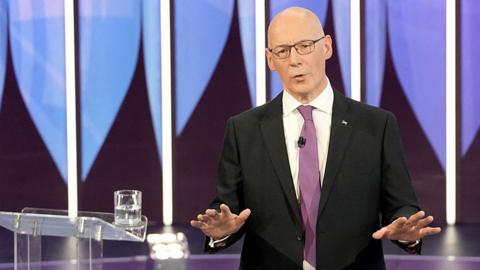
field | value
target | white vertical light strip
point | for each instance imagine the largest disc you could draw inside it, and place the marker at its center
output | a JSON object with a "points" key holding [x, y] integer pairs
{"points": [[451, 111], [71, 108], [355, 50], [166, 77], [261, 74]]}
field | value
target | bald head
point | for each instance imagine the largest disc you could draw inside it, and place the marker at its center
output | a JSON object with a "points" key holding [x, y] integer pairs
{"points": [[297, 34], [295, 19]]}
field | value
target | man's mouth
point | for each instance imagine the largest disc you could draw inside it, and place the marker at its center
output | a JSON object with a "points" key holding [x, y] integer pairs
{"points": [[298, 76]]}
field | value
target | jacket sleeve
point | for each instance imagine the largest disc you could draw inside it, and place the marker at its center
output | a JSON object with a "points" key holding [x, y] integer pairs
{"points": [[398, 196], [229, 184]]}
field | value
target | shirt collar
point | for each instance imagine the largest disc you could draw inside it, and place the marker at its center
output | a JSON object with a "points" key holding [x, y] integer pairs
{"points": [[324, 101]]}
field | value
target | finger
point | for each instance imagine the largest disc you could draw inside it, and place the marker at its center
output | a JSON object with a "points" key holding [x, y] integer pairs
{"points": [[242, 217], [429, 231], [225, 210], [204, 218], [413, 219], [197, 224], [380, 233], [397, 226], [398, 223], [211, 213], [424, 222]]}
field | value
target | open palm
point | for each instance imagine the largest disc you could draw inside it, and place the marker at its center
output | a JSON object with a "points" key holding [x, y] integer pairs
{"points": [[217, 225], [411, 229]]}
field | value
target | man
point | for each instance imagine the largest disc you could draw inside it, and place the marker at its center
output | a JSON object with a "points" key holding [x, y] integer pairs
{"points": [[306, 177]]}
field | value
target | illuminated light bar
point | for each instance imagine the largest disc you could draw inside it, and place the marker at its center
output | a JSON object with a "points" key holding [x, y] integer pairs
{"points": [[261, 86], [71, 108], [355, 50], [451, 111], [167, 127]]}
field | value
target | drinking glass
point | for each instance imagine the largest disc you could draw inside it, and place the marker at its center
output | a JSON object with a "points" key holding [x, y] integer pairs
{"points": [[128, 207]]}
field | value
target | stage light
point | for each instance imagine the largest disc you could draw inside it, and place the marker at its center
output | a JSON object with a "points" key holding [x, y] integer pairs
{"points": [[168, 250]]}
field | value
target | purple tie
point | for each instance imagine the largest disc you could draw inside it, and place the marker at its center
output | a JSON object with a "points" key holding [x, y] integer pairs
{"points": [[309, 178]]}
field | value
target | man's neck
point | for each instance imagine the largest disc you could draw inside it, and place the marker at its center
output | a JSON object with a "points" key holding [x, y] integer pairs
{"points": [[306, 99], [310, 95]]}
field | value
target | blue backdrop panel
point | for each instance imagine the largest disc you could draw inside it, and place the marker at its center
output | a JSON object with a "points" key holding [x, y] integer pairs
{"points": [[119, 95], [341, 19], [469, 184], [109, 43], [414, 89], [224, 92], [32, 115], [37, 45], [152, 47], [246, 17], [417, 37], [201, 31], [375, 33], [470, 67]]}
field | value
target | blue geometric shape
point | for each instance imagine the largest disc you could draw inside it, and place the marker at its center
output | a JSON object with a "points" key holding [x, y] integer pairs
{"points": [[201, 30], [319, 7], [375, 47], [38, 54], [152, 59], [417, 38], [341, 18], [3, 45], [470, 72], [246, 14], [109, 46]]}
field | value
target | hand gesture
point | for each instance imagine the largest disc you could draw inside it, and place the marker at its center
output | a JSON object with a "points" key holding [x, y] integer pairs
{"points": [[217, 225], [411, 229]]}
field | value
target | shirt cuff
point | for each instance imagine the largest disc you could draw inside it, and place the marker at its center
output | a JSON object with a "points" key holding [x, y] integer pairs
{"points": [[409, 244], [213, 242]]}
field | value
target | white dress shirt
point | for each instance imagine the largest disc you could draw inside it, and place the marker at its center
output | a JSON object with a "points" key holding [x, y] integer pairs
{"points": [[292, 125]]}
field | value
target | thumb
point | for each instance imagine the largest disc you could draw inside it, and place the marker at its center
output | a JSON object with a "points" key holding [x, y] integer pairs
{"points": [[242, 217], [225, 210]]}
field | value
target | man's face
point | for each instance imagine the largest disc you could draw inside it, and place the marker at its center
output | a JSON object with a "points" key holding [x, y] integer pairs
{"points": [[302, 76]]}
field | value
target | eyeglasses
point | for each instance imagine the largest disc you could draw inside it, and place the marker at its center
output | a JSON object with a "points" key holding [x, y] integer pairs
{"points": [[302, 47]]}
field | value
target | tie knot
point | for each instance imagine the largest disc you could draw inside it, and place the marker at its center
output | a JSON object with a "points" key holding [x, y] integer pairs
{"points": [[306, 112]]}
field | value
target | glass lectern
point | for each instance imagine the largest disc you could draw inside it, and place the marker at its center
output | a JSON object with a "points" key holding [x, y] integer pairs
{"points": [[85, 234]]}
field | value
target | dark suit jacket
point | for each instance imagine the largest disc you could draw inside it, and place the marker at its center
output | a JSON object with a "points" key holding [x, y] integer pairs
{"points": [[366, 183]]}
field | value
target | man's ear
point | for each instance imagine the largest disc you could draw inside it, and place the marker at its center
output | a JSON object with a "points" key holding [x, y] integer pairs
{"points": [[327, 47], [270, 63]]}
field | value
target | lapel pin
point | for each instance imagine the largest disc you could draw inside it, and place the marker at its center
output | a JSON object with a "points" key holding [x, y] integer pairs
{"points": [[344, 122]]}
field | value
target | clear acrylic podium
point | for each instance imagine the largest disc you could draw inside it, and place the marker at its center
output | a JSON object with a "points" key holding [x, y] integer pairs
{"points": [[82, 237]]}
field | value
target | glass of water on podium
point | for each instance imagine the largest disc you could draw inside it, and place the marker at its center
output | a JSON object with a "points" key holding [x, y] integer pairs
{"points": [[128, 207]]}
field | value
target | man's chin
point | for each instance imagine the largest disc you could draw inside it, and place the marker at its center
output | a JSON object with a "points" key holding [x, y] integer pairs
{"points": [[303, 90]]}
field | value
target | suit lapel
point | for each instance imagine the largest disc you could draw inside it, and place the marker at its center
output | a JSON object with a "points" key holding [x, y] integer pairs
{"points": [[341, 129], [274, 138]]}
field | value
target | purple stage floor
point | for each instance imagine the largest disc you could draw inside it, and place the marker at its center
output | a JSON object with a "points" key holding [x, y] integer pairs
{"points": [[456, 248], [230, 261]]}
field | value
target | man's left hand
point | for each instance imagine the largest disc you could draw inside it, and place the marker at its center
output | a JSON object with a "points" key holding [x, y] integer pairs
{"points": [[411, 229]]}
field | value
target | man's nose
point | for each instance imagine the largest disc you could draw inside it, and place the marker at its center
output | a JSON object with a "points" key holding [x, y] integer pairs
{"points": [[295, 58]]}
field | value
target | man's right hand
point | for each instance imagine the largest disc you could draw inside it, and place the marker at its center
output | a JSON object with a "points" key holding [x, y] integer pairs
{"points": [[218, 225]]}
